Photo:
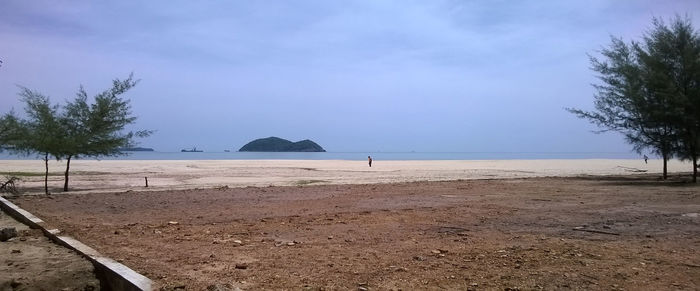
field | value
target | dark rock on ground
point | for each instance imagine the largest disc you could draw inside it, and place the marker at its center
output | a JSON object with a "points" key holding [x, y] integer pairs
{"points": [[7, 233]]}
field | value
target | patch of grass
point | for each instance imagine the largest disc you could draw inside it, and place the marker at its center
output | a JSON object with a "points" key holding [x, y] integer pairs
{"points": [[87, 173], [308, 182], [31, 174], [41, 174]]}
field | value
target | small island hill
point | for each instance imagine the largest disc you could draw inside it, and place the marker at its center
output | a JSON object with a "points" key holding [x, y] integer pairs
{"points": [[276, 144]]}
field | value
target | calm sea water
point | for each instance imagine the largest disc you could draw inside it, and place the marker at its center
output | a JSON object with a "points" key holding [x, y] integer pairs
{"points": [[352, 156]]}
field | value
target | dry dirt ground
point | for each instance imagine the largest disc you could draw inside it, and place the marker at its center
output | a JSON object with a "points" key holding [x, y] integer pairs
{"points": [[626, 232], [30, 261]]}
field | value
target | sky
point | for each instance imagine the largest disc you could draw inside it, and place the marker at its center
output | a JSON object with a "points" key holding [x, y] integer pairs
{"points": [[375, 75]]}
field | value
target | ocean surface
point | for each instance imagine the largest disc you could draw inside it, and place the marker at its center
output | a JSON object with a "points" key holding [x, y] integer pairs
{"points": [[386, 156]]}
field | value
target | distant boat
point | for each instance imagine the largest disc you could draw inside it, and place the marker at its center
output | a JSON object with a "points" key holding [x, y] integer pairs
{"points": [[192, 150], [227, 151]]}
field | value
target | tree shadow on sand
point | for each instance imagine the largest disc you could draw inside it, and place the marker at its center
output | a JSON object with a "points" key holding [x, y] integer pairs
{"points": [[53, 190], [655, 180]]}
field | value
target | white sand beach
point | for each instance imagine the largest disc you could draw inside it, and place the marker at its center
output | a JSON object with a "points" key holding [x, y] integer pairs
{"points": [[121, 175]]}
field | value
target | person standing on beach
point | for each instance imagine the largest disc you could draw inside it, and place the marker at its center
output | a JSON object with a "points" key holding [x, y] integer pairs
{"points": [[369, 158], [645, 159]]}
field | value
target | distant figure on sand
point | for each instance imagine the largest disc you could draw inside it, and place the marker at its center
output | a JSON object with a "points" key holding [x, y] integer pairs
{"points": [[369, 158], [645, 159]]}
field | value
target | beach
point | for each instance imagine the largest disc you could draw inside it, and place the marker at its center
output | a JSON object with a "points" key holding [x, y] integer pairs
{"points": [[123, 175], [399, 225]]}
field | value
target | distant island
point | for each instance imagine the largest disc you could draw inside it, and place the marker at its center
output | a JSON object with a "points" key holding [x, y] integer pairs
{"points": [[276, 144], [136, 149]]}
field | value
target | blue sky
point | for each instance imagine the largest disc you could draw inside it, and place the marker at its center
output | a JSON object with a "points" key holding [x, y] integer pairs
{"points": [[351, 75]]}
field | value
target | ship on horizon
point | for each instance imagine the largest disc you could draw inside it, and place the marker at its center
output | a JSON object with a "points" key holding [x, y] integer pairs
{"points": [[192, 150]]}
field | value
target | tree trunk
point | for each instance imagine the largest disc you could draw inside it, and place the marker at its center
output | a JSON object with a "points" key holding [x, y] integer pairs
{"points": [[695, 169], [46, 175], [65, 183], [665, 157]]}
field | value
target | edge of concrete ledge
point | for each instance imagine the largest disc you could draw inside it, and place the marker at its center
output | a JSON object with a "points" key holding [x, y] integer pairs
{"points": [[20, 214], [116, 275]]}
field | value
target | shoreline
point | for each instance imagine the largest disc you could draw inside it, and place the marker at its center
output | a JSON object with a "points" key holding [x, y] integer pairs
{"points": [[124, 175], [353, 156]]}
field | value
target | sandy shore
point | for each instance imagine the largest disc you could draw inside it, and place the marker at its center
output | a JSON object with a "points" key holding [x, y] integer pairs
{"points": [[121, 175]]}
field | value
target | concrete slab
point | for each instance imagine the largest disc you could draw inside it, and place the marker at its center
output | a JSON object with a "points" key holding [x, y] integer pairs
{"points": [[113, 274], [20, 214]]}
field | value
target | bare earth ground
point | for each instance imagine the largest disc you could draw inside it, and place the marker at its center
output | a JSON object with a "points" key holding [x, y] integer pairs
{"points": [[470, 234], [31, 262]]}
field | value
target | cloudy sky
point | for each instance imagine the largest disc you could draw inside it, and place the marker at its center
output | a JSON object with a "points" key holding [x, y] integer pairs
{"points": [[465, 76]]}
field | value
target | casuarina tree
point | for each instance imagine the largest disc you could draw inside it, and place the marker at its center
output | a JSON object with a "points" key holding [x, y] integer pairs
{"points": [[648, 91], [97, 128], [40, 133], [672, 55], [81, 128]]}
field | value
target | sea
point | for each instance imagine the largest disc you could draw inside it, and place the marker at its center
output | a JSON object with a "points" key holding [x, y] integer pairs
{"points": [[352, 156]]}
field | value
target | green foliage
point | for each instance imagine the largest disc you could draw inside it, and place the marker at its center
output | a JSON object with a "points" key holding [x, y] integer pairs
{"points": [[674, 53], [30, 174], [40, 133], [97, 129], [12, 132], [650, 91], [78, 129], [42, 129], [309, 182]]}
